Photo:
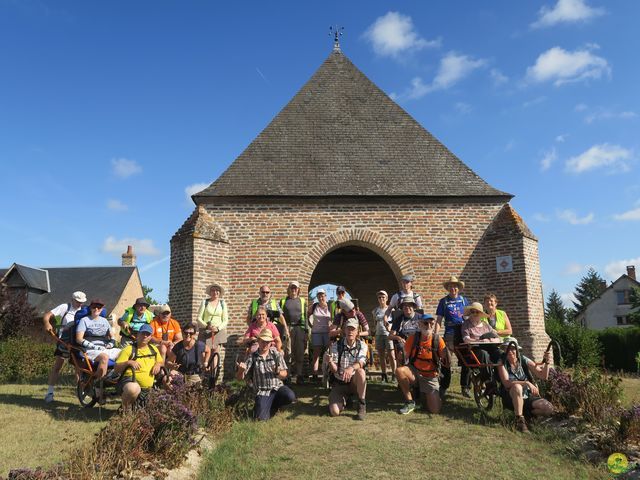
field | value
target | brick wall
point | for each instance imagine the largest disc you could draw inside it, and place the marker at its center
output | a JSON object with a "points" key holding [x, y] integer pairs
{"points": [[243, 246]]}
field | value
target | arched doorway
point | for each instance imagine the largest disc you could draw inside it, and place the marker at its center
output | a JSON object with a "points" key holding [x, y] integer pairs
{"points": [[362, 272]]}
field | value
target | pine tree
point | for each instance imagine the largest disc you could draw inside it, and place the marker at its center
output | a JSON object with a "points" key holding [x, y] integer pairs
{"points": [[589, 288], [634, 315], [554, 309]]}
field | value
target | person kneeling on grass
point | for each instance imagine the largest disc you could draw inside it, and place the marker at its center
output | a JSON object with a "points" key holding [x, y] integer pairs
{"points": [[139, 363], [267, 369], [346, 360], [518, 390], [424, 352]]}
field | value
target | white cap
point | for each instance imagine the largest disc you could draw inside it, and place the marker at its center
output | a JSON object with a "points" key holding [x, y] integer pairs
{"points": [[79, 297], [321, 290]]}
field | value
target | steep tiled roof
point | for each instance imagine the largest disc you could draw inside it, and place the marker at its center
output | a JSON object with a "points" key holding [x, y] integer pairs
{"points": [[343, 136]]}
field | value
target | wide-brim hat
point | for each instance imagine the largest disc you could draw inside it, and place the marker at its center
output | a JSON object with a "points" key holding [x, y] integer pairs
{"points": [[509, 340], [265, 335], [453, 279], [141, 301], [217, 286], [408, 300], [475, 306]]}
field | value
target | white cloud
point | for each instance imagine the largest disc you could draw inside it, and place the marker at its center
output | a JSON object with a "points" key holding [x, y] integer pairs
{"points": [[535, 101], [498, 77], [509, 145], [463, 108], [614, 269], [581, 107], [143, 246], [566, 11], [116, 205], [629, 215], [610, 115], [548, 159], [193, 189], [573, 269], [124, 168], [394, 33], [541, 217], [453, 68], [560, 66], [562, 138], [572, 218], [614, 157]]}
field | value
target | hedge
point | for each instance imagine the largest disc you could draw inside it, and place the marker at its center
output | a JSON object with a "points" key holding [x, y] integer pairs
{"points": [[620, 347], [23, 359]]}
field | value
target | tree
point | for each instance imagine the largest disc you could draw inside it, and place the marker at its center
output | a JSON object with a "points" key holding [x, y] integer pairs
{"points": [[555, 308], [589, 288], [634, 314], [146, 291], [16, 314]]}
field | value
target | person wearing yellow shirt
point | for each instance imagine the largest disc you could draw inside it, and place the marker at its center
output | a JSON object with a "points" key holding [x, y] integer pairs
{"points": [[138, 363]]}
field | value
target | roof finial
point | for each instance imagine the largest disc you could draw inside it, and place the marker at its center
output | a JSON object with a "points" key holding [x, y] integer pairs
{"points": [[336, 33]]}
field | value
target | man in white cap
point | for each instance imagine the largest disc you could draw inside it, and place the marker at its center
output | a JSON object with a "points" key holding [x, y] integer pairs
{"points": [[295, 313], [346, 361], [63, 317], [267, 369], [347, 311]]}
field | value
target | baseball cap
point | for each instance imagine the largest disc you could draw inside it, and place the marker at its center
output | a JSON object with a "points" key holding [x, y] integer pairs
{"points": [[146, 328], [79, 296], [352, 322]]}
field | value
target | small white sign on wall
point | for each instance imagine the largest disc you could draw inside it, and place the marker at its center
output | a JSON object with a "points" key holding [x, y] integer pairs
{"points": [[504, 264]]}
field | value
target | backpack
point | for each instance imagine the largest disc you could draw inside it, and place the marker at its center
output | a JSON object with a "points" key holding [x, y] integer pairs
{"points": [[273, 354], [341, 349], [402, 295], [435, 343], [134, 352]]}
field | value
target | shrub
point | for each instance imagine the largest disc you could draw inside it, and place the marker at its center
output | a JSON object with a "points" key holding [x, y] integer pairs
{"points": [[588, 392], [24, 360], [16, 315], [580, 346], [630, 424], [619, 347]]}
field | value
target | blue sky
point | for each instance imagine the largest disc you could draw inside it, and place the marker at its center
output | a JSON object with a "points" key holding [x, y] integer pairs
{"points": [[110, 112]]}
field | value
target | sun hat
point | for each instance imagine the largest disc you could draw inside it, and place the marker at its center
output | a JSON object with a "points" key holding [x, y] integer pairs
{"points": [[97, 301], [408, 299], [141, 301], [475, 306], [217, 286], [453, 279], [346, 305], [79, 296], [265, 335], [352, 322], [509, 340]]}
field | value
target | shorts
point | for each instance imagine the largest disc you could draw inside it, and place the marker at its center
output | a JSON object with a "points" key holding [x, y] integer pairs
{"points": [[341, 391], [144, 392], [320, 339], [112, 353], [527, 408], [61, 351], [427, 385], [383, 343]]}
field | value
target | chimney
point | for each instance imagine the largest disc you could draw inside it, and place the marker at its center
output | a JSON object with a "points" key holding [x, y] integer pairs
{"points": [[631, 271], [603, 286], [129, 258]]}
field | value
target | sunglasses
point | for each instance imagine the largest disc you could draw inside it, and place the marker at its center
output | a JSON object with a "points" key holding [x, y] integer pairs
{"points": [[186, 334], [265, 293], [99, 307], [166, 313]]}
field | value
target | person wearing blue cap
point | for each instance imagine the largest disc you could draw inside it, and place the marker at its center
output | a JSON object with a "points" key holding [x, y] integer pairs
{"points": [[142, 358]]}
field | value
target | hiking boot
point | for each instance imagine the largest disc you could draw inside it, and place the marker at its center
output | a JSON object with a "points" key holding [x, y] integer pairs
{"points": [[521, 425], [384, 378], [102, 400], [48, 398], [300, 380], [362, 410], [408, 408], [466, 392], [442, 393], [314, 378]]}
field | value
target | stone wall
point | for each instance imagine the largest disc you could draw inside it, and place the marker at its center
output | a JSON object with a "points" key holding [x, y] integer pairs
{"points": [[243, 246]]}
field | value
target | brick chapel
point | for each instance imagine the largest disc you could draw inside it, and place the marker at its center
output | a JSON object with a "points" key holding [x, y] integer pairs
{"points": [[353, 191]]}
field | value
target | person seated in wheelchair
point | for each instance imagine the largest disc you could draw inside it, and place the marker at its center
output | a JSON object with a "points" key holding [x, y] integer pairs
{"points": [[485, 340], [93, 335], [266, 369], [423, 366], [139, 363], [190, 356], [517, 384], [260, 323]]}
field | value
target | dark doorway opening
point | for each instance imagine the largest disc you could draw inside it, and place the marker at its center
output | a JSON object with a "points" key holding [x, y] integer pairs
{"points": [[362, 272]]}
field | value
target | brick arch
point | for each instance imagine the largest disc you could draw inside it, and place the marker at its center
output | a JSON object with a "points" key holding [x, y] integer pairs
{"points": [[359, 237]]}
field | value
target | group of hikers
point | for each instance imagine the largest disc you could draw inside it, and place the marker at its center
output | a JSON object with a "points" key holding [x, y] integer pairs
{"points": [[414, 348]]}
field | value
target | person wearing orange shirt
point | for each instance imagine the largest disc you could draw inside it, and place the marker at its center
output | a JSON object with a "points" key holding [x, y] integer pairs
{"points": [[423, 361], [166, 330]]}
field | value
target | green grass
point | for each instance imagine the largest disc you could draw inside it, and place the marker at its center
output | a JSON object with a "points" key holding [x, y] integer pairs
{"points": [[631, 389], [304, 442], [37, 434]]}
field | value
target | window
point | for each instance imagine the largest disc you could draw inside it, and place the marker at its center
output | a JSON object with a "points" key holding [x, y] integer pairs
{"points": [[620, 320], [622, 297]]}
